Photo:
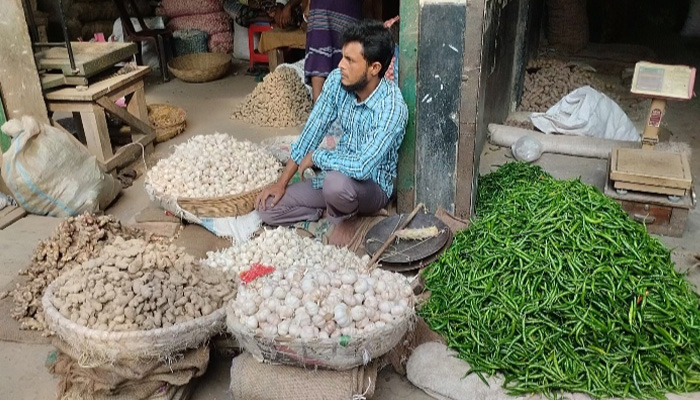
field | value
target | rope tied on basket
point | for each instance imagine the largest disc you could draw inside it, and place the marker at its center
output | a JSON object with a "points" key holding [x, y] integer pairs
{"points": [[363, 395]]}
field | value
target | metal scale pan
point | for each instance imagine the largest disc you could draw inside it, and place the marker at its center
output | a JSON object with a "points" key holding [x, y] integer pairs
{"points": [[406, 255]]}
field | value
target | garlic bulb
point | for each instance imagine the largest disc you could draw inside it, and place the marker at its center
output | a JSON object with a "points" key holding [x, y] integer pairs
{"points": [[212, 166], [316, 291]]}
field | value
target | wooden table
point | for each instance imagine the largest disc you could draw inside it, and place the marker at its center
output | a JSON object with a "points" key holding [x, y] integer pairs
{"points": [[273, 41], [88, 105]]}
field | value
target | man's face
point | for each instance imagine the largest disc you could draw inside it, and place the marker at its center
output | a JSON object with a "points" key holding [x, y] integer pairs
{"points": [[354, 70]]}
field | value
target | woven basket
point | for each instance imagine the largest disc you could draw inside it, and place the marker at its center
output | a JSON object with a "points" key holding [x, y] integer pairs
{"points": [[99, 347], [201, 67], [168, 120], [225, 206], [190, 41], [214, 207], [321, 353]]}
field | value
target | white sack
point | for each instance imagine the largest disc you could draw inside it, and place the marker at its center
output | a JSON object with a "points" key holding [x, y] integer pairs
{"points": [[587, 112], [50, 173]]}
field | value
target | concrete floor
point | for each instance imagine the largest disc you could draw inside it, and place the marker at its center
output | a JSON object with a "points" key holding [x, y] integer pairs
{"points": [[23, 375]]}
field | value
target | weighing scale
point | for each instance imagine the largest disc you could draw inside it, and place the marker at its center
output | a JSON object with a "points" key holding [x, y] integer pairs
{"points": [[655, 187]]}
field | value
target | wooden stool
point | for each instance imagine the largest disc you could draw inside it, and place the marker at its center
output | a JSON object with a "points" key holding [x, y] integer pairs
{"points": [[88, 106]]}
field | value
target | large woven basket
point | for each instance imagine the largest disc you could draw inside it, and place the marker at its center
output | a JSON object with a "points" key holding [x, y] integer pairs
{"points": [[225, 206], [168, 120], [214, 207], [99, 347], [201, 67], [322, 353]]}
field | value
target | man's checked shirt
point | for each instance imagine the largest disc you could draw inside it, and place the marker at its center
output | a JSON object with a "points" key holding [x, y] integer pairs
{"points": [[372, 133]]}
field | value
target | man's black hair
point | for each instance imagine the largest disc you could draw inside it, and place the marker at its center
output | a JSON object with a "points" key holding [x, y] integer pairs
{"points": [[377, 43]]}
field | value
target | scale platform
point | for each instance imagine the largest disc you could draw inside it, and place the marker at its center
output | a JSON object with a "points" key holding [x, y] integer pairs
{"points": [[91, 59], [650, 171]]}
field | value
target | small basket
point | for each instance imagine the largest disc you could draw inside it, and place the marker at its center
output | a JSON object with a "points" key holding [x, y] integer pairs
{"points": [[190, 41], [332, 354], [201, 67], [99, 347], [168, 120]]}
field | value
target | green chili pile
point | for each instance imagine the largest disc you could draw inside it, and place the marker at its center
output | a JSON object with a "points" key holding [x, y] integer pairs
{"points": [[555, 287]]}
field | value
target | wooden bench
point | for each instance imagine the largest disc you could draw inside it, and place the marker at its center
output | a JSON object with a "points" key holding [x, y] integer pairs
{"points": [[88, 106]]}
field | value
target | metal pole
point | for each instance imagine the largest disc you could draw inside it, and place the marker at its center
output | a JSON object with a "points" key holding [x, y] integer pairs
{"points": [[66, 37], [32, 23]]}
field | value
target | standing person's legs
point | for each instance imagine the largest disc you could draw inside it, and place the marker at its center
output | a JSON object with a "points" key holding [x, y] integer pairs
{"points": [[316, 86], [300, 202], [346, 197]]}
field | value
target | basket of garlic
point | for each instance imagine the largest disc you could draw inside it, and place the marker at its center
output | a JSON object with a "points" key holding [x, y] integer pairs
{"points": [[319, 307], [212, 176], [136, 300]]}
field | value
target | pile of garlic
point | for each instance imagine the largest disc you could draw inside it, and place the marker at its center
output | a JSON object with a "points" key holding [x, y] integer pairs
{"points": [[323, 301], [136, 285], [281, 248], [316, 291], [213, 166]]}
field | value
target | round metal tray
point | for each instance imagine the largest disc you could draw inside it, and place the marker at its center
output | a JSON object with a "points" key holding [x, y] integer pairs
{"points": [[406, 251]]}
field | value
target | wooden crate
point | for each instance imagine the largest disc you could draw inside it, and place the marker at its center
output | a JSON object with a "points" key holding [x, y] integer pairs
{"points": [[660, 215]]}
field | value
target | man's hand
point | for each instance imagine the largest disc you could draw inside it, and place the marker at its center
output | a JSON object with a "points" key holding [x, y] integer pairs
{"points": [[305, 164], [276, 191], [285, 17]]}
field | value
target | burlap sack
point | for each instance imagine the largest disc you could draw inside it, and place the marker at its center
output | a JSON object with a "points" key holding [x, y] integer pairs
{"points": [[252, 380], [567, 27], [126, 379], [399, 355]]}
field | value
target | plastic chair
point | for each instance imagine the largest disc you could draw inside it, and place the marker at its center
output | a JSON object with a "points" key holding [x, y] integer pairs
{"points": [[256, 56], [162, 38]]}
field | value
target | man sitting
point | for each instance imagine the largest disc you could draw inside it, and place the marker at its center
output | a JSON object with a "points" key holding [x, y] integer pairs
{"points": [[357, 177]]}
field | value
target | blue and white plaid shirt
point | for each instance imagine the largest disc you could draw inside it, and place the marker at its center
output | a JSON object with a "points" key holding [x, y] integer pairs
{"points": [[372, 133]]}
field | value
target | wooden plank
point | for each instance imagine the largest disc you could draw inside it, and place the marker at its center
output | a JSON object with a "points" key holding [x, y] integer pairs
{"points": [[685, 202], [648, 188], [125, 91], [408, 65], [98, 89], [50, 81], [648, 167], [124, 115], [19, 79], [69, 107], [275, 57], [11, 215], [97, 133], [130, 152], [90, 57], [137, 104], [469, 149]]}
